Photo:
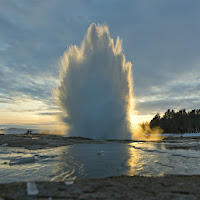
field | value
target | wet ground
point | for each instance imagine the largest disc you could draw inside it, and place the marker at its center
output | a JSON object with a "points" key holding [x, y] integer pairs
{"points": [[59, 159], [39, 141]]}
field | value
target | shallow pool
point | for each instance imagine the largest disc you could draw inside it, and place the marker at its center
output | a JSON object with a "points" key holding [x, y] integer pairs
{"points": [[99, 160]]}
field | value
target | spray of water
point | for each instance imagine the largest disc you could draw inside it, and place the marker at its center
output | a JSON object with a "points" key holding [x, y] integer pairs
{"points": [[95, 93]]}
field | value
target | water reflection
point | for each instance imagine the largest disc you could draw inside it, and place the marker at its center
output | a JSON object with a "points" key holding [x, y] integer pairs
{"points": [[88, 163], [84, 161], [135, 161], [138, 158], [143, 158]]}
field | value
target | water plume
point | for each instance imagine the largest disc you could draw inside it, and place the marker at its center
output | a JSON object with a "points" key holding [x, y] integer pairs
{"points": [[95, 93]]}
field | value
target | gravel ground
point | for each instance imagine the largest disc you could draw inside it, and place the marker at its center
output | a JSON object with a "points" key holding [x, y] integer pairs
{"points": [[123, 187]]}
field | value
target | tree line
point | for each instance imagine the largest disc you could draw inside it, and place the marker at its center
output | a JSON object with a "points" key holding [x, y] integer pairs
{"points": [[181, 121]]}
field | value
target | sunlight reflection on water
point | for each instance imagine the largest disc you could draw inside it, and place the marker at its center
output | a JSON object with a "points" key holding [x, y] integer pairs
{"points": [[84, 161]]}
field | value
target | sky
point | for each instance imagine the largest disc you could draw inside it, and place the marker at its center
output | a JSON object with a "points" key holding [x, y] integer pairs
{"points": [[160, 38]]}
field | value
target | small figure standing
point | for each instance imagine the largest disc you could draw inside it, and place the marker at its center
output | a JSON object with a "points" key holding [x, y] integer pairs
{"points": [[27, 132], [30, 131]]}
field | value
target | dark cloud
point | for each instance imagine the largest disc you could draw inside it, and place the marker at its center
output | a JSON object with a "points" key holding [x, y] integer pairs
{"points": [[50, 113], [164, 104], [161, 39]]}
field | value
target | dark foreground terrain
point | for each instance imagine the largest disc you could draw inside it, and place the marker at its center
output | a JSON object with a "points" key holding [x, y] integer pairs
{"points": [[123, 187]]}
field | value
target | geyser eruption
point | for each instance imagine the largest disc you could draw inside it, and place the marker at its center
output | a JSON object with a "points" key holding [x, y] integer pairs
{"points": [[95, 92]]}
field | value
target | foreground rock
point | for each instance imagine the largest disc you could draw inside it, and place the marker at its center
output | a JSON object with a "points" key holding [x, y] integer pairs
{"points": [[123, 187]]}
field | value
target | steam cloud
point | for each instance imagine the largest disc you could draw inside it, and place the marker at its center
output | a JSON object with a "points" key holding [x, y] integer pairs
{"points": [[95, 92]]}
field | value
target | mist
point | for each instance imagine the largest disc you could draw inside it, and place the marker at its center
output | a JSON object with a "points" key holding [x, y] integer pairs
{"points": [[95, 93]]}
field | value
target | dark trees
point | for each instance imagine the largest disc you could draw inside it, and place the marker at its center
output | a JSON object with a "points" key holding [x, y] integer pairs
{"points": [[178, 122]]}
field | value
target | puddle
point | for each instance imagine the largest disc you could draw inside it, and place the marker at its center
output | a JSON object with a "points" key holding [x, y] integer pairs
{"points": [[98, 160]]}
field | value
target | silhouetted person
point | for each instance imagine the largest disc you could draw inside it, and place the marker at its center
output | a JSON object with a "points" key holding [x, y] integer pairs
{"points": [[30, 131], [27, 132]]}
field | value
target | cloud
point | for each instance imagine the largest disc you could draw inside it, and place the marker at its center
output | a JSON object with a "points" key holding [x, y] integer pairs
{"points": [[161, 105], [161, 39], [50, 113]]}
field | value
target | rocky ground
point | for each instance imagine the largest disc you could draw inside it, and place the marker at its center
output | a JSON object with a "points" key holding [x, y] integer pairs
{"points": [[123, 187], [41, 141]]}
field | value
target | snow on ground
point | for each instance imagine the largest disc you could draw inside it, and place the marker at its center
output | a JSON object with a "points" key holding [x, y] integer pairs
{"points": [[181, 134], [23, 131]]}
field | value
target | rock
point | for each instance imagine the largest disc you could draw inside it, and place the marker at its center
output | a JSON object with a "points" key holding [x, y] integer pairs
{"points": [[100, 153], [70, 182], [22, 161], [31, 188]]}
